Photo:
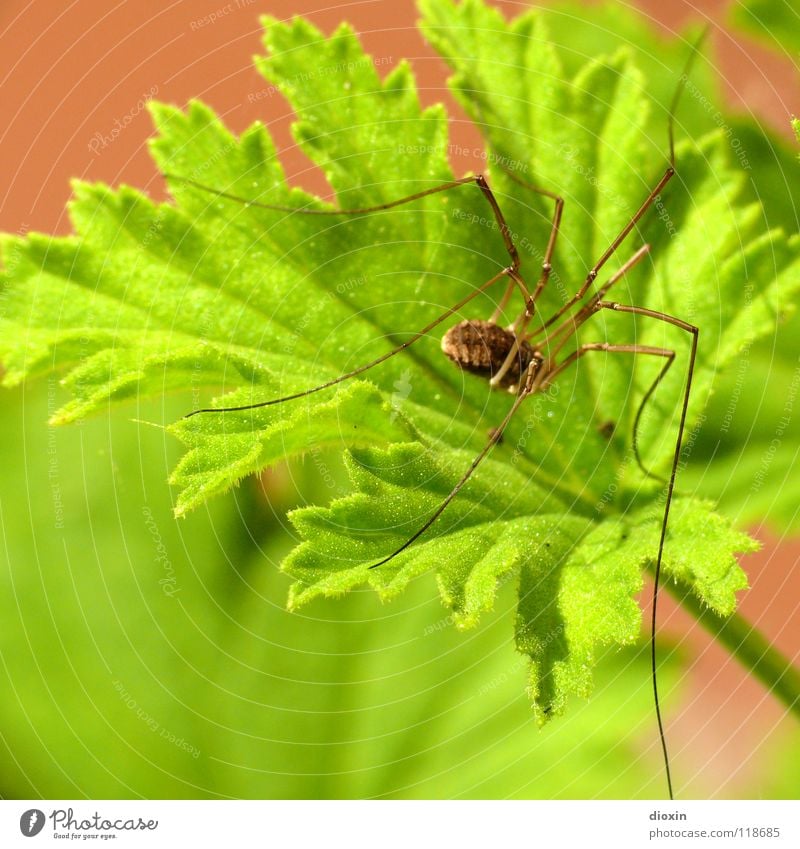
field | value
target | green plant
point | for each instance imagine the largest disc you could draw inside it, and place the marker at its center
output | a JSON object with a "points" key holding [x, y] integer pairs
{"points": [[206, 293]]}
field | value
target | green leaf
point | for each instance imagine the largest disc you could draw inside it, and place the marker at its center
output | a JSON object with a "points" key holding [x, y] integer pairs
{"points": [[733, 458], [775, 21], [745, 453], [219, 457], [576, 580], [115, 687], [258, 303]]}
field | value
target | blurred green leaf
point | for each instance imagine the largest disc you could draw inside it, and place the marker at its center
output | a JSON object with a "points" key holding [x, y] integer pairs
{"points": [[745, 455], [580, 34], [106, 604]]}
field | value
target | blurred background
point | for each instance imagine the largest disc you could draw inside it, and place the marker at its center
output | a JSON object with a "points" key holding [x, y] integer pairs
{"points": [[144, 657]]}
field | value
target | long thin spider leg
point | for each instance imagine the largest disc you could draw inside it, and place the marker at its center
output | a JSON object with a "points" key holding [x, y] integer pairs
{"points": [[670, 355], [682, 325], [643, 251], [361, 369], [695, 333], [637, 418], [496, 434], [478, 179], [571, 324], [609, 348]]}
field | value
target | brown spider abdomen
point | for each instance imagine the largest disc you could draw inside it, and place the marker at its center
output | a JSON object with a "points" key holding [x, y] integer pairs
{"points": [[481, 347]]}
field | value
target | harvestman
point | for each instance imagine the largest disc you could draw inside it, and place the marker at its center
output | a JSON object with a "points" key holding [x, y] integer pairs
{"points": [[514, 359]]}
